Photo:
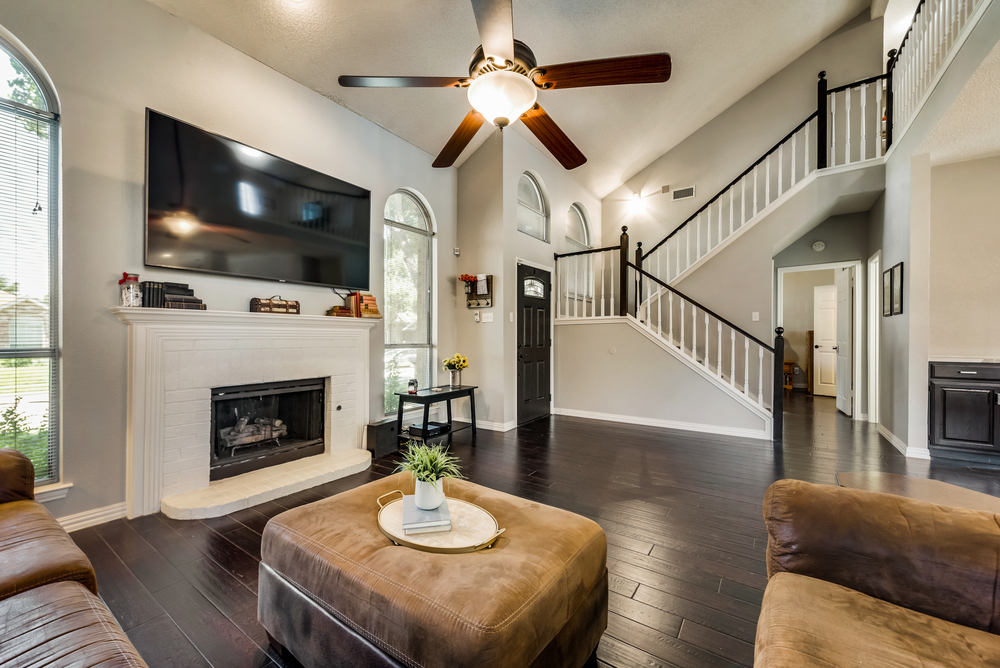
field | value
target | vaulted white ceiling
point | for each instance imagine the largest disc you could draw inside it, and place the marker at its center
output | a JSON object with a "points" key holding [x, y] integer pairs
{"points": [[721, 50]]}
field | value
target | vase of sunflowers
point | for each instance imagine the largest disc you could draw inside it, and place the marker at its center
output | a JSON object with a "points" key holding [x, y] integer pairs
{"points": [[454, 366]]}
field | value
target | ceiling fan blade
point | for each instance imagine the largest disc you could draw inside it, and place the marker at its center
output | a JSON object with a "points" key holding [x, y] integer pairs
{"points": [[495, 20], [467, 129], [650, 68], [553, 138], [401, 82]]}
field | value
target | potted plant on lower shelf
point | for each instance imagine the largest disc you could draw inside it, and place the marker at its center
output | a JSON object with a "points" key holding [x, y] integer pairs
{"points": [[429, 465]]}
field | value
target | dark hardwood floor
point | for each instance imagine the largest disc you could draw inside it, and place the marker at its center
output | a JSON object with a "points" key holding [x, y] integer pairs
{"points": [[682, 513]]}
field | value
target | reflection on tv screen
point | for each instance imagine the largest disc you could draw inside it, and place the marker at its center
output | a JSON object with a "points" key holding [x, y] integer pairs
{"points": [[216, 205]]}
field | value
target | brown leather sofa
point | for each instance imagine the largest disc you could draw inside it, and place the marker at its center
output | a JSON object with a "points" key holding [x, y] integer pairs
{"points": [[858, 578], [50, 614]]}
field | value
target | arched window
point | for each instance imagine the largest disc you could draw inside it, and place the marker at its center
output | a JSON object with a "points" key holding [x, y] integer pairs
{"points": [[577, 227], [408, 311], [29, 353], [532, 214]]}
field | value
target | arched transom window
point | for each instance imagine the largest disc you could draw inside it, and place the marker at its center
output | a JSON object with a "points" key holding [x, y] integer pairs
{"points": [[532, 214], [408, 311], [29, 345]]}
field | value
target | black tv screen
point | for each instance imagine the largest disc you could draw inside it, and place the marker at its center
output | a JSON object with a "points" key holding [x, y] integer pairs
{"points": [[216, 205]]}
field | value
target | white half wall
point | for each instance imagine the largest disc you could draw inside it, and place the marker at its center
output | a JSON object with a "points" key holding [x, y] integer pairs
{"points": [[610, 370]]}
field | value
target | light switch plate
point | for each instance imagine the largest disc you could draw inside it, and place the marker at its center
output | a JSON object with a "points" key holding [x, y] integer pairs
{"points": [[487, 317], [476, 315], [756, 316]]}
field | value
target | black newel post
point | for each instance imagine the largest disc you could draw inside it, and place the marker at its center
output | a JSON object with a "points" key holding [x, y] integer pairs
{"points": [[821, 139], [890, 66], [623, 274], [638, 277], [778, 386]]}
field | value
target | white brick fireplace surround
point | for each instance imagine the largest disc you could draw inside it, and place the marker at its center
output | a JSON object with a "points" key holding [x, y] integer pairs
{"points": [[177, 356]]}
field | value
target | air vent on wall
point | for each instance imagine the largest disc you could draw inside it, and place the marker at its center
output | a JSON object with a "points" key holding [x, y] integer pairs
{"points": [[684, 193]]}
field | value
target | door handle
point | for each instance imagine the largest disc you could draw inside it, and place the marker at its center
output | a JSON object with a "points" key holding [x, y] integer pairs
{"points": [[835, 347], [816, 346], [522, 356]]}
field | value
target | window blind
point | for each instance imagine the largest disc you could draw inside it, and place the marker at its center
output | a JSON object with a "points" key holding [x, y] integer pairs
{"points": [[29, 357]]}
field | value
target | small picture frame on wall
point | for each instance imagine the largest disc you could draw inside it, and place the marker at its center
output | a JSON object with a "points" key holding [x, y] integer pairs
{"points": [[887, 293], [897, 289]]}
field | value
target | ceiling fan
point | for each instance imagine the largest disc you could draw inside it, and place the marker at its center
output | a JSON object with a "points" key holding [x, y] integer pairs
{"points": [[504, 81]]}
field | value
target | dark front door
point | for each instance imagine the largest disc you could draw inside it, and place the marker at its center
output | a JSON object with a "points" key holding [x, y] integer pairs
{"points": [[534, 347]]}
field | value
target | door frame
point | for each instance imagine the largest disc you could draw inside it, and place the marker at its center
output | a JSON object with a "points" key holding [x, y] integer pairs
{"points": [[874, 333], [856, 338], [552, 331]]}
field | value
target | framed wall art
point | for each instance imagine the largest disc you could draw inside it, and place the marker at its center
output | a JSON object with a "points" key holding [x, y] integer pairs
{"points": [[887, 293], [897, 289]]}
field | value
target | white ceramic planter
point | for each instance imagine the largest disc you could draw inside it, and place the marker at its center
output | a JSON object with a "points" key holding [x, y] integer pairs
{"points": [[428, 496]]}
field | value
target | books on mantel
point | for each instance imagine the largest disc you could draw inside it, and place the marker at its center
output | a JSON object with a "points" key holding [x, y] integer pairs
{"points": [[156, 294], [417, 521], [363, 305], [341, 312]]}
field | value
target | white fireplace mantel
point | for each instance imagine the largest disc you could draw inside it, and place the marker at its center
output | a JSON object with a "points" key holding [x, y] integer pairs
{"points": [[175, 355]]}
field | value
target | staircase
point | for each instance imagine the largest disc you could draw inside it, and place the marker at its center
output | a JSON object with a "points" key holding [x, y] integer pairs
{"points": [[829, 163]]}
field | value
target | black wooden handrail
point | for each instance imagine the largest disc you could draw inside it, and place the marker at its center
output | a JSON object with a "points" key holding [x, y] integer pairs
{"points": [[732, 183], [856, 84], [706, 310], [920, 5], [586, 252]]}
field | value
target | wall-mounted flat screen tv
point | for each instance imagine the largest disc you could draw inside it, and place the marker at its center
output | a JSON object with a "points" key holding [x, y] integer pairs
{"points": [[218, 206]]}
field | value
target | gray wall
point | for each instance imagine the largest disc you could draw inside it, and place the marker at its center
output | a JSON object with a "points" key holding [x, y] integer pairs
{"points": [[964, 260], [109, 60], [725, 146], [638, 379], [797, 317]]}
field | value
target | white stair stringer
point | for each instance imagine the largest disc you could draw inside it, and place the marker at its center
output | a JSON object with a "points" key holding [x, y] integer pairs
{"points": [[832, 191], [709, 391]]}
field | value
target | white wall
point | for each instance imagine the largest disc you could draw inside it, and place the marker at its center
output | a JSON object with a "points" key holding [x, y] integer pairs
{"points": [[797, 317], [109, 60], [964, 262], [717, 153]]}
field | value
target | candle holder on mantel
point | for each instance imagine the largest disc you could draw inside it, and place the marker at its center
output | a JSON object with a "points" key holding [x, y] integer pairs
{"points": [[475, 300]]}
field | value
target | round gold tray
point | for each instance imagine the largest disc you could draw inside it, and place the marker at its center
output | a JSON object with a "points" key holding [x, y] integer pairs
{"points": [[472, 528]]}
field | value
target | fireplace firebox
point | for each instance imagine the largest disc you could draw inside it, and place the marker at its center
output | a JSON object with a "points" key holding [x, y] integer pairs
{"points": [[255, 426]]}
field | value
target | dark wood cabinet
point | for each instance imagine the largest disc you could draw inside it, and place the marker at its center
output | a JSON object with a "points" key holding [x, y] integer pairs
{"points": [[964, 406]]}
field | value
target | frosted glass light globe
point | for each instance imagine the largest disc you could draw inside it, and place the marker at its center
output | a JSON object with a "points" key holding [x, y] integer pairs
{"points": [[501, 97]]}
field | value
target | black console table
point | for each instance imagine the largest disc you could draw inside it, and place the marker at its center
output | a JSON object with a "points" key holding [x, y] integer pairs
{"points": [[432, 395]]}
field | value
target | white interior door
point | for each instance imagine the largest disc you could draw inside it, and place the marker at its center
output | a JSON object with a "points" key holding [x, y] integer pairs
{"points": [[825, 340], [844, 282]]}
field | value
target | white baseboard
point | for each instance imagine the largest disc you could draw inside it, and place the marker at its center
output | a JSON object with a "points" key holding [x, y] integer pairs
{"points": [[490, 426], [89, 518], [908, 451], [763, 434]]}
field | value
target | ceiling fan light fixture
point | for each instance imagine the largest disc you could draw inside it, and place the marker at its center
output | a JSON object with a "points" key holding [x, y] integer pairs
{"points": [[501, 96]]}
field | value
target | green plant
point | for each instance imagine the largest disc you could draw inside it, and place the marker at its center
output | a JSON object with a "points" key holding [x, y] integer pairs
{"points": [[393, 383], [15, 433], [429, 463]]}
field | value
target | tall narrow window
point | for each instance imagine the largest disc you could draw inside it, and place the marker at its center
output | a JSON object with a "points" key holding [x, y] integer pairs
{"points": [[409, 351], [579, 283], [532, 217], [29, 346]]}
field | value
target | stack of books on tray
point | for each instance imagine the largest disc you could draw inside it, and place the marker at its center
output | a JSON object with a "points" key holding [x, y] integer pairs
{"points": [[424, 521], [156, 294], [362, 305], [341, 312]]}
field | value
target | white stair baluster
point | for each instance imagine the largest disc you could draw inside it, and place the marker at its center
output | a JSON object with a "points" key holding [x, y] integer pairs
{"points": [[682, 315], [659, 302], [732, 357], [879, 112], [576, 286], [805, 151], [794, 158], [697, 243], [718, 239], [694, 332], [731, 191], [707, 344], [603, 262], [743, 201], [611, 284], [592, 292], [558, 290], [677, 260], [847, 126], [746, 366], [767, 180], [670, 315], [718, 362], [754, 190], [833, 130], [688, 249], [781, 156], [760, 377]]}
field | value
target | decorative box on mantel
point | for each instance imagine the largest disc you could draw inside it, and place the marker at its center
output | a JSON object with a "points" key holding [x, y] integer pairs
{"points": [[177, 357]]}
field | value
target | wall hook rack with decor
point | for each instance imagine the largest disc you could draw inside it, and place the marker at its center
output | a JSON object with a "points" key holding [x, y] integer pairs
{"points": [[474, 298]]}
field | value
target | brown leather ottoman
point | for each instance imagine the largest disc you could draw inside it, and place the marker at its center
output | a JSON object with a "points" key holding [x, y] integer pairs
{"points": [[335, 591]]}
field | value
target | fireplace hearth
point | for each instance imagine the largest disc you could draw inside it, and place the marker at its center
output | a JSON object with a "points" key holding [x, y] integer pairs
{"points": [[264, 424]]}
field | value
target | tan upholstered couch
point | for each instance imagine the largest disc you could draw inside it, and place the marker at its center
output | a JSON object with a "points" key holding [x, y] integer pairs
{"points": [[49, 612], [865, 579]]}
